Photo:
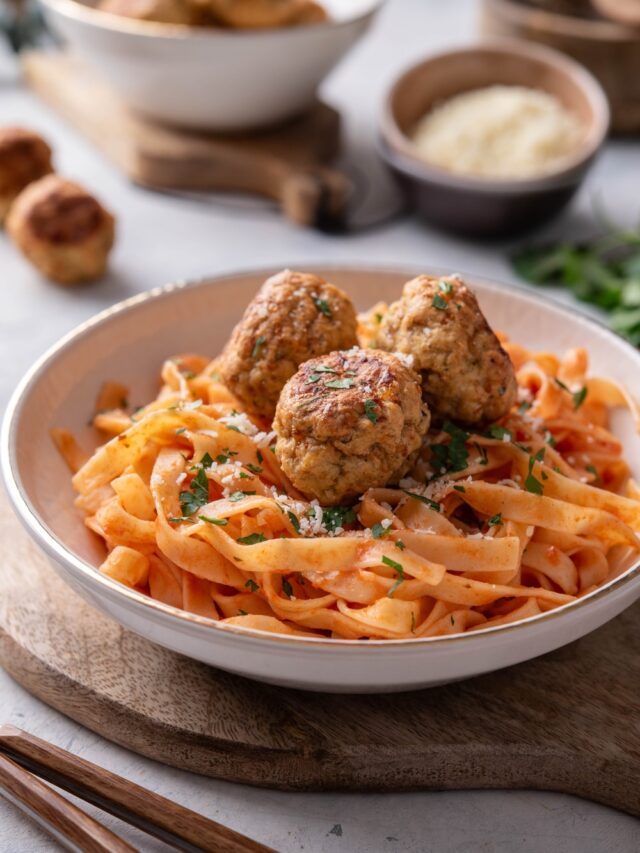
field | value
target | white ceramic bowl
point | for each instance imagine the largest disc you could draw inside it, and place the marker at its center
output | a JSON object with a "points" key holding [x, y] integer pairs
{"points": [[208, 78], [129, 343]]}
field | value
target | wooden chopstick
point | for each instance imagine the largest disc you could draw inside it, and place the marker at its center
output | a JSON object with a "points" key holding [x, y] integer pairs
{"points": [[138, 806], [69, 825]]}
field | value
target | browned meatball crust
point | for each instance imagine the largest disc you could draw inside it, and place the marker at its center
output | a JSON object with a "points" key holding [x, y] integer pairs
{"points": [[62, 229], [349, 421], [185, 12], [466, 374], [294, 317], [24, 157], [256, 14]]}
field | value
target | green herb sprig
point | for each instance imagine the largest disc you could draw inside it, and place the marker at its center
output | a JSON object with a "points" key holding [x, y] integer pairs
{"points": [[604, 271]]}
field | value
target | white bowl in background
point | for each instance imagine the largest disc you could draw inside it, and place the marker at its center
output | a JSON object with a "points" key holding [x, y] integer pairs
{"points": [[130, 341], [207, 78]]}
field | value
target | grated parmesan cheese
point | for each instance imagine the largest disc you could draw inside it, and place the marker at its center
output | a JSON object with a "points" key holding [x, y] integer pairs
{"points": [[499, 132]]}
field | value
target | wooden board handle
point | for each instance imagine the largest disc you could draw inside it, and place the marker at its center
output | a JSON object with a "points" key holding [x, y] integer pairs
{"points": [[315, 198], [136, 805], [68, 824]]}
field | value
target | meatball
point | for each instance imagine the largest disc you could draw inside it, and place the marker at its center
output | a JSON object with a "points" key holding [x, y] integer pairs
{"points": [[294, 317], [310, 13], [256, 13], [466, 375], [62, 230], [349, 421], [24, 157], [160, 11]]}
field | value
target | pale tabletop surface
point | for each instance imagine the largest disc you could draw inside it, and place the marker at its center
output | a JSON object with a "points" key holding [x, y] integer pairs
{"points": [[162, 239]]}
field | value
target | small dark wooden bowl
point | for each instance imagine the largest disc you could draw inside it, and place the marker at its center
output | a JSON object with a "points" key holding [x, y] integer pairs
{"points": [[488, 207]]}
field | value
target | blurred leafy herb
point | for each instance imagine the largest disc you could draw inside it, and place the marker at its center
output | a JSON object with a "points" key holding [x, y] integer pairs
{"points": [[604, 271]]}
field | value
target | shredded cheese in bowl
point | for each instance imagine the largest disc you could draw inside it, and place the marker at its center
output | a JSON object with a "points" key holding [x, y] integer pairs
{"points": [[499, 132]]}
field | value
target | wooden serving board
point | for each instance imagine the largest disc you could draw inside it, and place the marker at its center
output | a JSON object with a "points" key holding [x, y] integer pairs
{"points": [[287, 164], [565, 722]]}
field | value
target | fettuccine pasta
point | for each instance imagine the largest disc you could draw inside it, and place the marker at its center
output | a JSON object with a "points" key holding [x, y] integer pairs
{"points": [[489, 527]]}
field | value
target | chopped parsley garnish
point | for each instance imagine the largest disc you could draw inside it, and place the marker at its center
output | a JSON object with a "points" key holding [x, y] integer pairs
{"points": [[499, 432], [323, 306], [206, 461], [439, 458], [400, 544], [252, 539], [255, 469], [484, 459], [370, 410], [578, 397], [252, 586], [313, 378], [244, 476], [524, 407], [237, 496], [378, 318], [593, 470], [445, 286], [322, 368], [453, 456], [339, 383], [379, 531], [397, 567], [495, 520], [180, 430], [532, 484], [191, 501], [334, 517], [242, 613], [287, 588], [459, 489], [424, 500], [219, 522], [551, 441], [293, 518], [257, 347], [440, 303], [259, 456], [234, 428], [179, 519]]}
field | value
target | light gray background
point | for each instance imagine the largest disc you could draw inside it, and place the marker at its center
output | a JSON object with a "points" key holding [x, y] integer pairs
{"points": [[161, 239]]}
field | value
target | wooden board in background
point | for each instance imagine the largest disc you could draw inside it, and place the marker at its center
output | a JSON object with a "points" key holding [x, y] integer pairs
{"points": [[287, 164], [565, 722]]}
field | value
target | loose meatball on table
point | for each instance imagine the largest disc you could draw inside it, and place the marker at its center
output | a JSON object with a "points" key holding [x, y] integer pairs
{"points": [[466, 375], [294, 317], [24, 157], [349, 421], [62, 229]]}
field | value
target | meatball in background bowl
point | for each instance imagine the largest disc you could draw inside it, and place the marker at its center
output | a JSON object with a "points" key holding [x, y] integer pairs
{"points": [[129, 341], [207, 78]]}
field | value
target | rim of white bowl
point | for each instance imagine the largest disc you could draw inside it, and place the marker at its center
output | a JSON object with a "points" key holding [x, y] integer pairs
{"points": [[154, 29], [57, 549]]}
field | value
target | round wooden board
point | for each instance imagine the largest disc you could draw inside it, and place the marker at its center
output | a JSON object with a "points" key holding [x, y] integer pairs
{"points": [[564, 722]]}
